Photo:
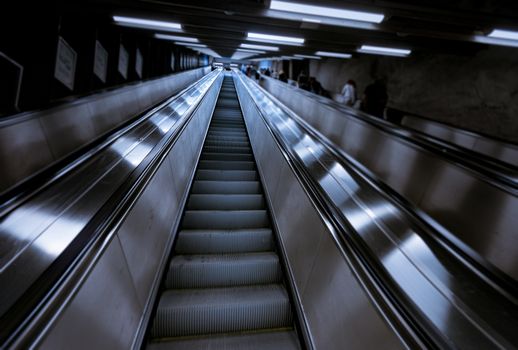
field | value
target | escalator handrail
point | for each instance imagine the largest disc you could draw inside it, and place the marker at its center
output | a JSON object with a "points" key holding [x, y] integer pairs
{"points": [[494, 171], [100, 230]]}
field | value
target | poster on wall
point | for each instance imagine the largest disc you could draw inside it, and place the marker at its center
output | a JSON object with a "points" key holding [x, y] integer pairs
{"points": [[66, 59], [139, 63], [123, 62], [100, 62], [172, 61]]}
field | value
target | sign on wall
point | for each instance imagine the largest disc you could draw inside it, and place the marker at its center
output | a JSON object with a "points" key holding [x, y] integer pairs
{"points": [[66, 59], [100, 62], [139, 62], [123, 62]]}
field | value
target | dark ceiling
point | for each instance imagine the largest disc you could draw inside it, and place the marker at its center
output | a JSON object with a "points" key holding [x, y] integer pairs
{"points": [[437, 26]]}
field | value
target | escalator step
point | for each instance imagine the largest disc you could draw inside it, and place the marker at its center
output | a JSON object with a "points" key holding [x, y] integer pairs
{"points": [[218, 270], [286, 340], [227, 143], [225, 202], [228, 219], [226, 187], [227, 156], [226, 175], [188, 312], [224, 241], [227, 149], [226, 165]]}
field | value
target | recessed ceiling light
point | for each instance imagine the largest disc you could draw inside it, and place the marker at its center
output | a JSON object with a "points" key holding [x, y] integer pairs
{"points": [[259, 47], [311, 20], [333, 54], [207, 51], [326, 11], [268, 38], [309, 57], [378, 50], [291, 58], [146, 23], [251, 51], [190, 44], [176, 37], [503, 34]]}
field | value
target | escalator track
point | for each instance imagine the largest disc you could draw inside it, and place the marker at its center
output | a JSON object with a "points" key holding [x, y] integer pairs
{"points": [[224, 285]]}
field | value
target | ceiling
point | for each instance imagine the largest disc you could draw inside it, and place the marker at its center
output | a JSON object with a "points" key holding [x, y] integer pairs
{"points": [[438, 26]]}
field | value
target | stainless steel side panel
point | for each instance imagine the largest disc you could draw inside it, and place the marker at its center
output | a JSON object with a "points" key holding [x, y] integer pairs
{"points": [[145, 233], [16, 158], [105, 311], [66, 128], [337, 310], [480, 216]]}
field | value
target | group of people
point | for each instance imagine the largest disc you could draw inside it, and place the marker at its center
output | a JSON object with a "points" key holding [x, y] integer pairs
{"points": [[373, 100]]}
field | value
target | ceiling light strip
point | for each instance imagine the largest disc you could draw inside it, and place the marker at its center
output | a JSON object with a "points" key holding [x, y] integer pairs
{"points": [[146, 23]]}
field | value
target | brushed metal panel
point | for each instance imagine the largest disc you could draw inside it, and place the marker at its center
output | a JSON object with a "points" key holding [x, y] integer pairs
{"points": [[23, 151], [405, 169], [338, 312], [506, 152], [68, 129], [104, 314], [481, 217], [147, 229], [301, 237], [106, 113], [178, 161]]}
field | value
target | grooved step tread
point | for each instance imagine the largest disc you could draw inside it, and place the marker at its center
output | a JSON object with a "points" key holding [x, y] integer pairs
{"points": [[223, 270], [226, 175], [281, 340], [228, 219], [224, 241], [226, 187], [185, 312], [225, 202]]}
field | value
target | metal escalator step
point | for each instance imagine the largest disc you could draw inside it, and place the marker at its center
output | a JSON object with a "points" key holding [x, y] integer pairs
{"points": [[227, 156], [231, 125], [226, 187], [227, 219], [188, 312], [226, 175], [226, 165], [227, 149], [225, 202], [224, 241], [227, 143], [226, 138], [283, 340], [223, 270]]}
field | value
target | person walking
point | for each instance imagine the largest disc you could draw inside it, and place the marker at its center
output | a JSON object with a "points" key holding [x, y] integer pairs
{"points": [[349, 95], [375, 98]]}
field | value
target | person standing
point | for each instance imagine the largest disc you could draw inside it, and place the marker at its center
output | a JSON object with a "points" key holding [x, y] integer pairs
{"points": [[375, 98], [349, 95]]}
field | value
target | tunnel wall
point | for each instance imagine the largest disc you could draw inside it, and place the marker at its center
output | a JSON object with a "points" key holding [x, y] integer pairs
{"points": [[478, 93]]}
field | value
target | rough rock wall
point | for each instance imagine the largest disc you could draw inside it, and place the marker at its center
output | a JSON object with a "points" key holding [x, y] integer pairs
{"points": [[478, 93]]}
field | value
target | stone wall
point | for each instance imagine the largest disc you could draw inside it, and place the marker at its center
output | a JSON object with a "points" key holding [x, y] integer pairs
{"points": [[478, 93]]}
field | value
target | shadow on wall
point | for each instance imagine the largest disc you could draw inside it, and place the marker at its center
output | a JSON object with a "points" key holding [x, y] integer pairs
{"points": [[478, 93]]}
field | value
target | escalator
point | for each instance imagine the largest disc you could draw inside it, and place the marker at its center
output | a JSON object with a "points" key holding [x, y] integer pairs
{"points": [[224, 286]]}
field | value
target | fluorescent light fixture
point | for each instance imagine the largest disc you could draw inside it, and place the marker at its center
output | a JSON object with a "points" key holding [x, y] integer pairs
{"points": [[311, 20], [388, 51], [326, 11], [267, 38], [333, 54], [234, 65], [291, 58], [503, 34], [251, 51], [242, 55], [176, 37], [207, 51], [189, 44], [259, 47], [147, 23], [309, 57]]}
